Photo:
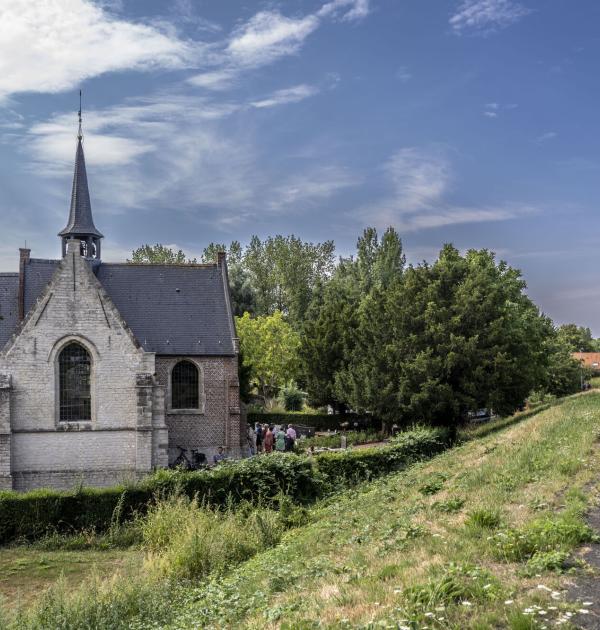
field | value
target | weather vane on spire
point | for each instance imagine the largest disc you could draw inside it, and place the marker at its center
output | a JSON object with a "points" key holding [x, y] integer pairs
{"points": [[80, 133]]}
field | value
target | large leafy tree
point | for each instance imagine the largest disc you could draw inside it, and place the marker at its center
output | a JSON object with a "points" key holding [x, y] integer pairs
{"points": [[243, 295], [331, 322], [284, 272], [444, 339], [159, 254], [577, 338], [269, 346]]}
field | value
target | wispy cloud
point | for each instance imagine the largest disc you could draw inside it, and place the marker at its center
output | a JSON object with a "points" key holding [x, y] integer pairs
{"points": [[287, 95], [493, 110], [63, 42], [268, 36], [420, 182], [545, 137], [485, 16], [403, 74]]}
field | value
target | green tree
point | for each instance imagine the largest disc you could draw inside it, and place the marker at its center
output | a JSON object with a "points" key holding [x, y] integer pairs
{"points": [[577, 338], [284, 272], [564, 373], [160, 254], [270, 348], [331, 321], [444, 339]]}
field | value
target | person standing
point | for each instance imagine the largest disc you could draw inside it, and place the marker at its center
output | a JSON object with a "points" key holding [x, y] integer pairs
{"points": [[259, 437], [291, 438], [280, 441], [269, 439]]}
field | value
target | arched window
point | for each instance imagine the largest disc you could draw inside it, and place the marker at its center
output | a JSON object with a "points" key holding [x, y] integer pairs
{"points": [[74, 369], [185, 391]]}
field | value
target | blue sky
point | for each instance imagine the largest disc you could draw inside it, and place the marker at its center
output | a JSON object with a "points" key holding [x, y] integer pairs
{"points": [[465, 121]]}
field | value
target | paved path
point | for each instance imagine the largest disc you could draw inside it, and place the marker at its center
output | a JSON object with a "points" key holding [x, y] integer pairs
{"points": [[587, 588]]}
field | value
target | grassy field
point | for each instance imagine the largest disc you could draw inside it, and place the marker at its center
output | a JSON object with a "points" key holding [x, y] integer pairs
{"points": [[26, 572], [478, 537], [485, 535]]}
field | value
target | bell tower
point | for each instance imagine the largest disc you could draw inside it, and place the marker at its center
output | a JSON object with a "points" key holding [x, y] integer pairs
{"points": [[81, 223]]}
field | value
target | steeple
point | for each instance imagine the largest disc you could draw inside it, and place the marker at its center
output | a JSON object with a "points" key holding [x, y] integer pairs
{"points": [[81, 223]]}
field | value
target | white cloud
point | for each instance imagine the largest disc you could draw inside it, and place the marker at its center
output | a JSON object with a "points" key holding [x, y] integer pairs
{"points": [[490, 114], [420, 182], [267, 36], [403, 74], [215, 80], [62, 42], [350, 9], [485, 16], [316, 185], [419, 178], [288, 95], [549, 135]]}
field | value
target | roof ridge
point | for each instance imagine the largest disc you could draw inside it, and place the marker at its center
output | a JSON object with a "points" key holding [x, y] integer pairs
{"points": [[149, 264]]}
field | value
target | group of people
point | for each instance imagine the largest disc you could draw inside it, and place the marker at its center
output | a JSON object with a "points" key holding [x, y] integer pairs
{"points": [[266, 439]]}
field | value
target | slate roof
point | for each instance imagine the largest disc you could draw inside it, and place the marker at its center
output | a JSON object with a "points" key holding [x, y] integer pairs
{"points": [[171, 309], [80, 221], [9, 305]]}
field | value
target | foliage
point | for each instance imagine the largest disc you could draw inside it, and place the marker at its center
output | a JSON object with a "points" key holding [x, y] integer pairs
{"points": [[334, 440], [319, 421], [292, 398], [189, 541], [255, 480], [270, 348], [160, 254], [245, 378], [577, 338], [284, 272], [331, 322], [369, 463], [564, 374], [550, 533], [444, 339]]}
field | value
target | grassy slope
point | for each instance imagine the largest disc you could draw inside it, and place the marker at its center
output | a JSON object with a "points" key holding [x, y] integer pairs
{"points": [[405, 550]]}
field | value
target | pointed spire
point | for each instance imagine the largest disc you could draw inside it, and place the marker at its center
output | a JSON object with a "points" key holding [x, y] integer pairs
{"points": [[81, 223]]}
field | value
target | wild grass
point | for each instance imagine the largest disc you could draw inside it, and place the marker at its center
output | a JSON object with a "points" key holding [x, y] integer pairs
{"points": [[478, 537], [389, 554]]}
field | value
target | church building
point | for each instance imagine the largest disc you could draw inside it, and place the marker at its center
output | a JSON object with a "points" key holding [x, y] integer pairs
{"points": [[109, 370]]}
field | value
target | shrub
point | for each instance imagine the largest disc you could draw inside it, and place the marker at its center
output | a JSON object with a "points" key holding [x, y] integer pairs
{"points": [[368, 463], [433, 485], [319, 421], [335, 440], [40, 513], [449, 506], [484, 519], [292, 398], [547, 561], [190, 542], [552, 533]]}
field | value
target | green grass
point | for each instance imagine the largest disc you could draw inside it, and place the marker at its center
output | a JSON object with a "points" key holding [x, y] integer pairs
{"points": [[462, 541], [388, 554]]}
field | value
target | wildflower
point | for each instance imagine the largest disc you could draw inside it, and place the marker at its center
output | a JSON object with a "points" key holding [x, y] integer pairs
{"points": [[587, 603], [543, 587], [508, 602], [466, 603]]}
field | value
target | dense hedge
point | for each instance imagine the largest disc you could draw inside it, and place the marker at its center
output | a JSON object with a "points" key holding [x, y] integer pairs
{"points": [[320, 421], [34, 514], [370, 462]]}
